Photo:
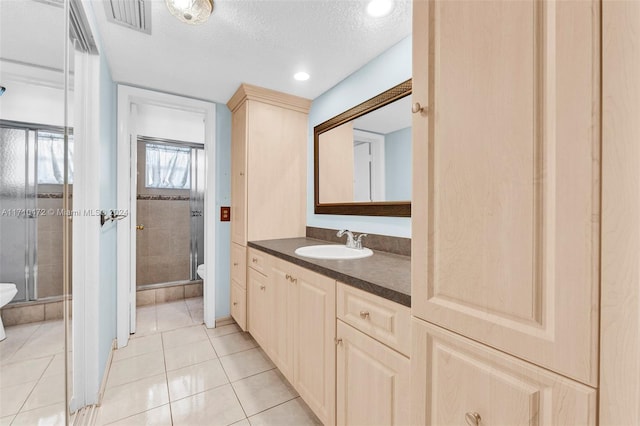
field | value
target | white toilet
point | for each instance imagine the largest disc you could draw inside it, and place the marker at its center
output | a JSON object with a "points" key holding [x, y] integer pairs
{"points": [[7, 293], [201, 271]]}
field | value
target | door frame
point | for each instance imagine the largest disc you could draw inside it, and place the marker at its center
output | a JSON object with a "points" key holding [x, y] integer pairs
{"points": [[128, 99]]}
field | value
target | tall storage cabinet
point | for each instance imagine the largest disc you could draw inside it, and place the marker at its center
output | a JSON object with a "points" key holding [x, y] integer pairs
{"points": [[268, 176], [506, 210]]}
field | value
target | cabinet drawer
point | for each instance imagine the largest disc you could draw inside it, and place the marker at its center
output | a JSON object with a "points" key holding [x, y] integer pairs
{"points": [[239, 264], [239, 305], [384, 320], [456, 380], [258, 261]]}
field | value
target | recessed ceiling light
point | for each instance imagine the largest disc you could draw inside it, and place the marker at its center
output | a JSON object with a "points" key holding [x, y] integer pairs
{"points": [[379, 8], [301, 76]]}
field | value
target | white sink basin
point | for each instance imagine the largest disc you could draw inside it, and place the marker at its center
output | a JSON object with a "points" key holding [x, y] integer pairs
{"points": [[333, 251]]}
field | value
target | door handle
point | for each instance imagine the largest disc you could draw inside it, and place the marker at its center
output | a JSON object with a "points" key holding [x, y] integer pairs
{"points": [[140, 227]]}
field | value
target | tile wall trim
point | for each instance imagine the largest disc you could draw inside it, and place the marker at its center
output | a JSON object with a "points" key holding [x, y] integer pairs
{"points": [[148, 197]]}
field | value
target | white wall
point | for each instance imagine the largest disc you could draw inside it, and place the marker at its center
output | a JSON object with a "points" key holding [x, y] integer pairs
{"points": [[389, 69], [168, 123], [33, 95]]}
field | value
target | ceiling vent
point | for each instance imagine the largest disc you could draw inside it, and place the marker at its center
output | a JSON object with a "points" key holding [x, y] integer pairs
{"points": [[134, 14]]}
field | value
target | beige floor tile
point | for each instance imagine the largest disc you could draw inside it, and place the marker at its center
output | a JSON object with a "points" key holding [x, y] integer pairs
{"points": [[56, 365], [17, 335], [173, 323], [48, 391], [194, 302], [146, 323], [13, 397], [183, 336], [197, 315], [263, 391], [292, 413], [136, 368], [47, 340], [160, 416], [232, 343], [51, 415], [139, 346], [23, 371], [223, 330], [188, 354], [245, 364], [195, 379], [6, 421], [214, 407], [132, 398], [243, 422]]}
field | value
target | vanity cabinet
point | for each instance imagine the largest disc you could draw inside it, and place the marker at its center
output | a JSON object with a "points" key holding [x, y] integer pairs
{"points": [[506, 204], [292, 316], [373, 380], [268, 171]]}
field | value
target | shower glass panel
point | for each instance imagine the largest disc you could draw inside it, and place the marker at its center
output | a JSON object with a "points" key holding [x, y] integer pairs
{"points": [[18, 211], [170, 211], [196, 202]]}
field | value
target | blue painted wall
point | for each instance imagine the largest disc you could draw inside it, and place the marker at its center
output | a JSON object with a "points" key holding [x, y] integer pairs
{"points": [[108, 193], [397, 159], [223, 198], [383, 72]]}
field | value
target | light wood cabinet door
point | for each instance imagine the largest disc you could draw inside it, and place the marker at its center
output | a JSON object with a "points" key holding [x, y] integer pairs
{"points": [[276, 185], [373, 382], [239, 264], [315, 331], [260, 302], [239, 305], [457, 378], [283, 312], [505, 212], [239, 176]]}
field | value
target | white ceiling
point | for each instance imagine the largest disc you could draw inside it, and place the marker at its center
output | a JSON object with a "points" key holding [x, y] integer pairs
{"points": [[260, 42]]}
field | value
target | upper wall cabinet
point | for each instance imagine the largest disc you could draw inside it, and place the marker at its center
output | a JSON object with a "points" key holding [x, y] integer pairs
{"points": [[506, 176]]}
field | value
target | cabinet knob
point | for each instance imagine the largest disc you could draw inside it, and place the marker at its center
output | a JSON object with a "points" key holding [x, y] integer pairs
{"points": [[254, 260], [241, 173], [139, 227], [288, 277], [262, 287], [364, 314], [235, 303], [473, 418], [416, 108], [235, 263], [337, 341]]}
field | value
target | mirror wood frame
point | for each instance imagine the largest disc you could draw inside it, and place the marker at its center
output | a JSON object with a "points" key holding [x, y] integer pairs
{"points": [[375, 208]]}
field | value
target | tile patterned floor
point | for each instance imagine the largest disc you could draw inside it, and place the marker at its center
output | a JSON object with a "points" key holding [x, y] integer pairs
{"points": [[177, 372], [173, 372], [32, 374]]}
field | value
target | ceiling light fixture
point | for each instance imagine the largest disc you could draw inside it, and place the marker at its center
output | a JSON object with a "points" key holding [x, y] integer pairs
{"points": [[379, 8], [301, 76], [191, 11]]}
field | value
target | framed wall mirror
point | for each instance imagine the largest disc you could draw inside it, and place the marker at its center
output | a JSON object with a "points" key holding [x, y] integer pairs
{"points": [[362, 158]]}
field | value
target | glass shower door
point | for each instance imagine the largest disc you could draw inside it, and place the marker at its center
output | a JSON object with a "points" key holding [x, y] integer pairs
{"points": [[18, 211], [196, 202]]}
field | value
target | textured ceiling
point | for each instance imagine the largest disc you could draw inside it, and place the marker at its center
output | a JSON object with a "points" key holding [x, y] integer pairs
{"points": [[261, 42]]}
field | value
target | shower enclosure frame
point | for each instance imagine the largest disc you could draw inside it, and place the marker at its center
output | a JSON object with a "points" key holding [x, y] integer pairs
{"points": [[31, 210]]}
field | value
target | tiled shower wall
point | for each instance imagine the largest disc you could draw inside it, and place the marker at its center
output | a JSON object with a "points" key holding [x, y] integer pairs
{"points": [[163, 246], [49, 246]]}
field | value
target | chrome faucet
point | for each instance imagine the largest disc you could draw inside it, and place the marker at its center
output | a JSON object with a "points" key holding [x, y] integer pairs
{"points": [[354, 243]]}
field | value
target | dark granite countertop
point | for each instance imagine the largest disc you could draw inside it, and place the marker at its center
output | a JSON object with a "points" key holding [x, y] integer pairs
{"points": [[383, 274]]}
